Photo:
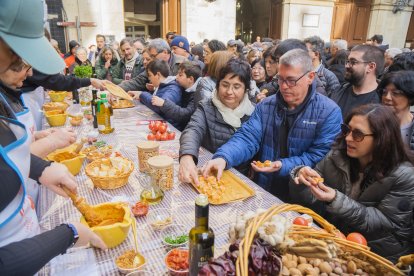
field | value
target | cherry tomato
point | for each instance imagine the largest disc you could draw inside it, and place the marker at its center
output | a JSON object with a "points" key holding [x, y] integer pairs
{"points": [[300, 221], [341, 235], [356, 237], [164, 137], [259, 164], [158, 136], [140, 209], [162, 128], [151, 137], [154, 131], [151, 125], [171, 135], [156, 126]]}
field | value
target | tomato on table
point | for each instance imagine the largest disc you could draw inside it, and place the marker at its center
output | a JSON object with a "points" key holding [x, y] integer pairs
{"points": [[300, 221], [162, 128], [151, 137], [357, 238], [171, 135]]}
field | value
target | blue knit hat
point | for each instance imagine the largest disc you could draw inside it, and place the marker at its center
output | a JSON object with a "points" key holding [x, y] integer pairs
{"points": [[182, 42]]}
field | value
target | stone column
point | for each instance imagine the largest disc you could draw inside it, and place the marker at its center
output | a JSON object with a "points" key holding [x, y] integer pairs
{"points": [[392, 26], [303, 18]]}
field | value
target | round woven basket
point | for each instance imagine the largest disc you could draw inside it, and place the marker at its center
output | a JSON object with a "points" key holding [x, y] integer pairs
{"points": [[329, 233], [108, 182]]}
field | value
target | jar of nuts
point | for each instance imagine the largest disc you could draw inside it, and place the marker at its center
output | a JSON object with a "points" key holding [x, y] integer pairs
{"points": [[162, 171], [146, 150]]}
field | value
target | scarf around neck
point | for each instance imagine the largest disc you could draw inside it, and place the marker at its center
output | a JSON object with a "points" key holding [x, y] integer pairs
{"points": [[233, 116]]}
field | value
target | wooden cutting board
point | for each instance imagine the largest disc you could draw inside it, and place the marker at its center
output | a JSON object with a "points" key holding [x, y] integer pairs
{"points": [[117, 91], [235, 189]]}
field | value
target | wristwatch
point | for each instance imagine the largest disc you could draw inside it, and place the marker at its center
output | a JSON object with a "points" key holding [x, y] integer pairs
{"points": [[75, 234]]}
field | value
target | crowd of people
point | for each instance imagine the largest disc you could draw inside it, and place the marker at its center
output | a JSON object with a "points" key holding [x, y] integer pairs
{"points": [[314, 109]]}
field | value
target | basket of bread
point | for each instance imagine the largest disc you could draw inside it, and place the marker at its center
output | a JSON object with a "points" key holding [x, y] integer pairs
{"points": [[271, 242], [97, 152], [109, 173]]}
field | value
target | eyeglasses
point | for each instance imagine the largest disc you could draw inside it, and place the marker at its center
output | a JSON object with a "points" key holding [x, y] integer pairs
{"points": [[357, 135], [353, 62], [18, 67], [394, 93], [290, 83]]}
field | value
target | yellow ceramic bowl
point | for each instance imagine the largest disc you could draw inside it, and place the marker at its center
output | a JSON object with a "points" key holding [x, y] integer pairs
{"points": [[56, 117], [113, 234], [71, 160], [57, 96]]}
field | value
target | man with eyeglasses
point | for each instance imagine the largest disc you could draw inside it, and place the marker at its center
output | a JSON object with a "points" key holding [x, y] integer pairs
{"points": [[293, 127], [364, 64], [158, 49]]}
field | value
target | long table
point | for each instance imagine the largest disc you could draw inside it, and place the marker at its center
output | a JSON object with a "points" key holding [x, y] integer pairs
{"points": [[54, 210]]}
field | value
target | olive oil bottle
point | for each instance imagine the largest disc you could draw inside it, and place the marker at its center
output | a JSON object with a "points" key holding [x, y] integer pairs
{"points": [[104, 115], [201, 237]]}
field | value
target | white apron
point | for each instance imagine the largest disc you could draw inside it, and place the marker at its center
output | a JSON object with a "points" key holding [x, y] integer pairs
{"points": [[26, 118], [18, 220]]}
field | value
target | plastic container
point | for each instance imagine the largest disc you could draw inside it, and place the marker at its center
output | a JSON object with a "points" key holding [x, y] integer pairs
{"points": [[162, 171], [159, 218], [172, 271], [129, 271], [146, 150], [174, 230]]}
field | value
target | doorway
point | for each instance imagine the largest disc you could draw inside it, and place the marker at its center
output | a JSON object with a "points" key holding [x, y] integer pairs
{"points": [[252, 19], [350, 20]]}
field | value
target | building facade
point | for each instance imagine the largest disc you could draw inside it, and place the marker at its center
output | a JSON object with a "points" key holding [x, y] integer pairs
{"points": [[353, 20]]}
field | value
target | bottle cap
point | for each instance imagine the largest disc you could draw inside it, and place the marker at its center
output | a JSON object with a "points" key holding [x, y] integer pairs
{"points": [[103, 96], [201, 200]]}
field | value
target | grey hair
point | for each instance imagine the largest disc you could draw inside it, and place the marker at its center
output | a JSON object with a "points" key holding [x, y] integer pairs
{"points": [[297, 57], [160, 45], [79, 49], [392, 52], [341, 44]]}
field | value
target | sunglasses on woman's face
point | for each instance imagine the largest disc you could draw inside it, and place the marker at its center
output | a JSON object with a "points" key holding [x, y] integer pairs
{"points": [[357, 135]]}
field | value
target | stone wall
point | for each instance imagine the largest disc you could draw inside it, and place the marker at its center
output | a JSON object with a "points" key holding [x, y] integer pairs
{"points": [[107, 14], [303, 18], [392, 26], [201, 19]]}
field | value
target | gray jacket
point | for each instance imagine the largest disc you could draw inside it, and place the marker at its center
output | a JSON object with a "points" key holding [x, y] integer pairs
{"points": [[204, 89], [328, 79], [383, 212], [207, 129], [136, 84]]}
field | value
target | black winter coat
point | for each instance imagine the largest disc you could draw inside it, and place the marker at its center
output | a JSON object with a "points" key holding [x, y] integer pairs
{"points": [[383, 211], [207, 129]]}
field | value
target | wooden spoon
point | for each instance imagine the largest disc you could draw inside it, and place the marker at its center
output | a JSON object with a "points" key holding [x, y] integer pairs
{"points": [[88, 212]]}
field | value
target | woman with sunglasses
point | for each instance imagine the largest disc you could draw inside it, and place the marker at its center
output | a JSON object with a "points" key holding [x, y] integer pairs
{"points": [[368, 184], [397, 91]]}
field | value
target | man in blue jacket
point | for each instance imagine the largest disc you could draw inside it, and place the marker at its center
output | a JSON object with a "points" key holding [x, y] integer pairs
{"points": [[294, 127]]}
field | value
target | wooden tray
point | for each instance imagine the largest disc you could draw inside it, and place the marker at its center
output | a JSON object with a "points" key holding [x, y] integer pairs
{"points": [[117, 91], [122, 104], [235, 189]]}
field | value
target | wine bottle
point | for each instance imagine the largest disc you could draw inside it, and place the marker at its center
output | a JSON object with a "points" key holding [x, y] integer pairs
{"points": [[201, 237], [93, 107]]}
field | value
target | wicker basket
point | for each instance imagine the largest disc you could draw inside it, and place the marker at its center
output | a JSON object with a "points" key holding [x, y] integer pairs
{"points": [[329, 233], [108, 182]]}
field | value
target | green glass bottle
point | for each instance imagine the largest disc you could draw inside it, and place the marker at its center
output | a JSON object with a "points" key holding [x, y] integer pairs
{"points": [[201, 237], [104, 113]]}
